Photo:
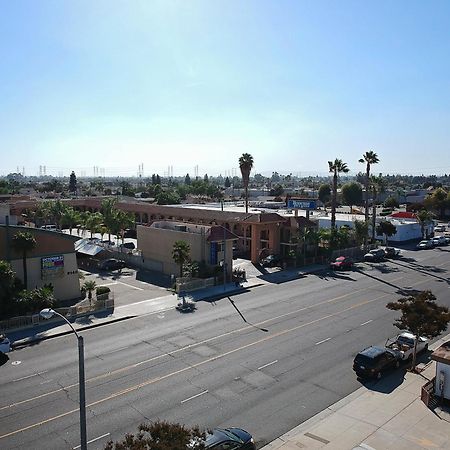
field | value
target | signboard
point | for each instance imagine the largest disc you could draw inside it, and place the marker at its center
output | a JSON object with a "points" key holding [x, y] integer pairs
{"points": [[302, 204], [213, 253], [52, 267]]}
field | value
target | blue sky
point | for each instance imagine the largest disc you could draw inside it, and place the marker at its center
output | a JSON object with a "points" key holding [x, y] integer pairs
{"points": [[115, 84]]}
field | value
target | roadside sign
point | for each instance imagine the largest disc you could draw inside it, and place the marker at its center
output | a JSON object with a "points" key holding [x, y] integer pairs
{"points": [[302, 204]]}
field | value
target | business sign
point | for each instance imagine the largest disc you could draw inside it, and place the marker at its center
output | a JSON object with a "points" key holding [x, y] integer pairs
{"points": [[213, 253], [302, 204], [52, 267]]}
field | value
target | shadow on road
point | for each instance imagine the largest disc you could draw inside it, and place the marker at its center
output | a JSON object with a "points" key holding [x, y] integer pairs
{"points": [[3, 358], [426, 270], [328, 275], [388, 383]]}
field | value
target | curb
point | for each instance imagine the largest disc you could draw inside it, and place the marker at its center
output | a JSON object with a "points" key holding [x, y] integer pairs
{"points": [[25, 342]]}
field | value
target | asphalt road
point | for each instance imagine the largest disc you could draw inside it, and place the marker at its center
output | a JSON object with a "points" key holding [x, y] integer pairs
{"points": [[211, 368]]}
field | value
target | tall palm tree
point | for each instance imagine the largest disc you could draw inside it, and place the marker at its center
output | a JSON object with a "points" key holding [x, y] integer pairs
{"points": [[424, 217], [70, 218], [378, 185], [94, 222], [246, 165], [335, 167], [89, 286], [369, 158], [109, 210], [24, 242]]}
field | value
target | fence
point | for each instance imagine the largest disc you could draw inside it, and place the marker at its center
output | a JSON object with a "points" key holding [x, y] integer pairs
{"points": [[189, 284], [352, 252], [426, 394], [70, 312]]}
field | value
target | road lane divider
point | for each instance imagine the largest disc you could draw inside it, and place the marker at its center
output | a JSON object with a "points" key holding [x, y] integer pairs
{"points": [[194, 396], [268, 364], [322, 341]]}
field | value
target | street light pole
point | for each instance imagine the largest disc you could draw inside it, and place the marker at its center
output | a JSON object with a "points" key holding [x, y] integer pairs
{"points": [[47, 313]]}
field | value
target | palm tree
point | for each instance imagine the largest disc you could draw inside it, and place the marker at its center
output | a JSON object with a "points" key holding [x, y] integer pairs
{"points": [[24, 242], [180, 254], [89, 286], [70, 218], [94, 222], [369, 158], [424, 217], [109, 210], [335, 167], [378, 185], [246, 165]]}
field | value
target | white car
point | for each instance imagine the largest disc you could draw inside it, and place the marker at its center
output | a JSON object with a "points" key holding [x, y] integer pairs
{"points": [[439, 240], [5, 344], [427, 243]]}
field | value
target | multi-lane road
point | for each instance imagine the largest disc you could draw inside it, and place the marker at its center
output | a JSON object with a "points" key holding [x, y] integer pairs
{"points": [[210, 367]]}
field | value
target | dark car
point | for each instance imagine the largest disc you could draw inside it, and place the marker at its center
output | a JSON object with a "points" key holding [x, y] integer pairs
{"points": [[111, 264], [128, 245], [230, 439], [391, 252], [374, 361], [375, 255], [342, 263], [130, 233], [271, 261]]}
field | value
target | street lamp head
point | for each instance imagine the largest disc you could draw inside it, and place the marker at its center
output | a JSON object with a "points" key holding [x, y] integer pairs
{"points": [[47, 313]]}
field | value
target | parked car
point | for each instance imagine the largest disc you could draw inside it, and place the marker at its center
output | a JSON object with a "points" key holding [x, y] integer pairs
{"points": [[111, 264], [342, 263], [426, 243], [391, 252], [230, 438], [438, 241], [5, 344], [128, 245], [375, 255], [439, 228], [130, 233], [271, 261], [372, 362]]}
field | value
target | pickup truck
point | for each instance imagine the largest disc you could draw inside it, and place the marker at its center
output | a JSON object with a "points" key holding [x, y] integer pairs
{"points": [[403, 344]]}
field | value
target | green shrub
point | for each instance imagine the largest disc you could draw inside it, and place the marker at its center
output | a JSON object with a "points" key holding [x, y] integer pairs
{"points": [[102, 290]]}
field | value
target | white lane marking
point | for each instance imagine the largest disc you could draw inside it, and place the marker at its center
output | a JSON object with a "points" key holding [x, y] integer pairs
{"points": [[365, 323], [92, 440], [29, 376], [268, 364], [116, 350], [194, 396], [144, 301], [321, 342], [131, 286]]}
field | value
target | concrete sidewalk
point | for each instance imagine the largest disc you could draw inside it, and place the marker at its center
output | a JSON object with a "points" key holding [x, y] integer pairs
{"points": [[167, 302], [370, 418]]}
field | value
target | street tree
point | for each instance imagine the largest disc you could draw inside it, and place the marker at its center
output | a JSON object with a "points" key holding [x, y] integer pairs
{"points": [[421, 316], [161, 435], [70, 218], [368, 158], [351, 194], [424, 217], [246, 165], [73, 182], [187, 179], [387, 229], [335, 167], [324, 193], [360, 229], [24, 242], [181, 254]]}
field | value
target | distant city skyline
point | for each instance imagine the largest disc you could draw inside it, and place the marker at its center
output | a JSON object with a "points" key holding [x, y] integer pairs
{"points": [[194, 84]]}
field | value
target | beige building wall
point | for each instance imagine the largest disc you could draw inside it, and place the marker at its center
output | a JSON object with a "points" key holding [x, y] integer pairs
{"points": [[65, 287], [156, 245]]}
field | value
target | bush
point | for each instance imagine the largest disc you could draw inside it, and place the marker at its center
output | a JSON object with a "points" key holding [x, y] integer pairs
{"points": [[102, 290]]}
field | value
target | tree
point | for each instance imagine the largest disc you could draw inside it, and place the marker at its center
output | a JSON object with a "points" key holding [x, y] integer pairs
{"points": [[246, 165], [387, 229], [94, 222], [368, 158], [89, 286], [162, 435], [187, 179], [351, 194], [70, 218], [24, 242], [361, 228], [424, 217], [206, 178], [181, 254], [109, 209], [227, 182], [421, 316], [168, 197], [391, 202], [324, 193], [8, 288], [73, 182], [335, 167]]}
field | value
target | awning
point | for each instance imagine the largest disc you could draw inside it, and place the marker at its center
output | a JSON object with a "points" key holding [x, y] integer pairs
{"points": [[88, 247]]}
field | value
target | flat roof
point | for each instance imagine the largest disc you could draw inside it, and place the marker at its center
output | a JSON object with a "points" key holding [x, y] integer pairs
{"points": [[442, 353]]}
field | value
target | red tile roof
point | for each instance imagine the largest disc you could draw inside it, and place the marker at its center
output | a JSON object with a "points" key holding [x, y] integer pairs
{"points": [[404, 215]]}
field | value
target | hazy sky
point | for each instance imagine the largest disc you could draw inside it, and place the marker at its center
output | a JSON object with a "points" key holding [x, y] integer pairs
{"points": [[115, 84]]}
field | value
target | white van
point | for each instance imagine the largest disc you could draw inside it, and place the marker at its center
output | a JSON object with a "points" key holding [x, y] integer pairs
{"points": [[49, 227]]}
